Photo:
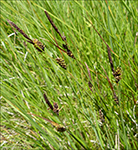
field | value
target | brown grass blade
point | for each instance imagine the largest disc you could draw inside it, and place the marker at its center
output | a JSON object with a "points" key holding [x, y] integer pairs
{"points": [[108, 48], [110, 59], [48, 102], [17, 28], [59, 127], [69, 53], [115, 96], [89, 83], [54, 26]]}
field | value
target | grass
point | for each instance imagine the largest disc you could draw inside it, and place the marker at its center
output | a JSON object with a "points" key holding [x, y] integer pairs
{"points": [[85, 91]]}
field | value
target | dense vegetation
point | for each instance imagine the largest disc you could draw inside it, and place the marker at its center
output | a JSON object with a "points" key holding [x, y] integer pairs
{"points": [[76, 86]]}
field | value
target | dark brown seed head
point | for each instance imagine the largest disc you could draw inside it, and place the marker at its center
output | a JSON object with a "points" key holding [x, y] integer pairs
{"points": [[55, 105], [61, 128], [116, 100], [117, 74], [65, 46], [90, 84], [61, 62], [64, 38], [69, 53], [56, 109], [38, 45]]}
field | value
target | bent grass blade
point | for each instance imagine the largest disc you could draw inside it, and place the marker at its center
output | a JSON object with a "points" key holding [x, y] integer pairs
{"points": [[58, 127]]}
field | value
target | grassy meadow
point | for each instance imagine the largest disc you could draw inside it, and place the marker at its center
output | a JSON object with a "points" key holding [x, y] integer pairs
{"points": [[78, 88]]}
